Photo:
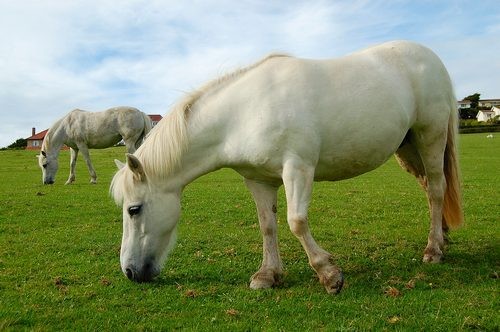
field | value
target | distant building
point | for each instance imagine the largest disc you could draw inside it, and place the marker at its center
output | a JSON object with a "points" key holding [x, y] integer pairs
{"points": [[488, 102], [155, 118], [485, 115], [463, 104], [35, 140]]}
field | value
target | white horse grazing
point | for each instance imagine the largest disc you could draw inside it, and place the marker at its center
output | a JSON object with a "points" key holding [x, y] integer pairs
{"points": [[81, 130], [294, 121]]}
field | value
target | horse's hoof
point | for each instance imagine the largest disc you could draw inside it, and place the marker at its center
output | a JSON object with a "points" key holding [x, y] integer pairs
{"points": [[432, 256], [333, 281], [260, 284], [432, 259], [262, 280]]}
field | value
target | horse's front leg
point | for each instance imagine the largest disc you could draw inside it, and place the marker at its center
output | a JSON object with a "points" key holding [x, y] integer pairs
{"points": [[298, 179], [72, 166], [86, 156], [271, 269]]}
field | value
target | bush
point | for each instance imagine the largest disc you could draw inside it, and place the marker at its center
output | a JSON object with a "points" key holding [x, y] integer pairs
{"points": [[494, 121], [19, 144], [468, 126], [468, 123]]}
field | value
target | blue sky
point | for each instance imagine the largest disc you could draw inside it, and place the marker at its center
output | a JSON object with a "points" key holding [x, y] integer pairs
{"points": [[59, 55]]}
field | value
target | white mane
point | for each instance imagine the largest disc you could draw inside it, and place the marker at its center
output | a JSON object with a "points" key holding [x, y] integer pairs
{"points": [[46, 144], [161, 152]]}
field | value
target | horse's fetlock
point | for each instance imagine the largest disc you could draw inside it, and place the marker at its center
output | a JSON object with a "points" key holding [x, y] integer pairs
{"points": [[320, 262]]}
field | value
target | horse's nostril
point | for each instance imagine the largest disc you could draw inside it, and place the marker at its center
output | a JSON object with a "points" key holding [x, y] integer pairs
{"points": [[129, 273]]}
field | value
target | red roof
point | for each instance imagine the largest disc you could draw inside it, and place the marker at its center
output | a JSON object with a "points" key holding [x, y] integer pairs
{"points": [[155, 117], [40, 135]]}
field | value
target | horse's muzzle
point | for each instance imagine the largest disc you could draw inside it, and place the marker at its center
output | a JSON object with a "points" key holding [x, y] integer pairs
{"points": [[48, 181], [146, 274]]}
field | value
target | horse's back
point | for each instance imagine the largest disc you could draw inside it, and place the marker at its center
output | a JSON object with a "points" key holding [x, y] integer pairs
{"points": [[346, 116]]}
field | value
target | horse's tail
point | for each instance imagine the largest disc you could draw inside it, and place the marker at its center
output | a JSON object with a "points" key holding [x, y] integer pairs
{"points": [[452, 204], [147, 128]]}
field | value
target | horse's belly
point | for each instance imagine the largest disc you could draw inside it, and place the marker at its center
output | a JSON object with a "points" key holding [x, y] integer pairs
{"points": [[345, 159], [340, 169], [102, 141]]}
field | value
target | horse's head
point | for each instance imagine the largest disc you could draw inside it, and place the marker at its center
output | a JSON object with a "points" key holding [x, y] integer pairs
{"points": [[150, 216], [49, 166]]}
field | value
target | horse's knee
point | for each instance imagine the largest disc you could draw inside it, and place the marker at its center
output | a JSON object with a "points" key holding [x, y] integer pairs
{"points": [[268, 229], [298, 225]]}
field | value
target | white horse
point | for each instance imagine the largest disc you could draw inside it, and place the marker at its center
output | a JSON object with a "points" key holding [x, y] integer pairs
{"points": [[294, 121], [81, 130]]}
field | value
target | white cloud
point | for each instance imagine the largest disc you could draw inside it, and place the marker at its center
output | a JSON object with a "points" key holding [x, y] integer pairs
{"points": [[60, 55]]}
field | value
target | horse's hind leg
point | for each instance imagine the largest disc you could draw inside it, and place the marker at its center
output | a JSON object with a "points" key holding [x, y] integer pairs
{"points": [[426, 164], [132, 140], [298, 179], [409, 159], [130, 144], [432, 157], [271, 269], [72, 166]]}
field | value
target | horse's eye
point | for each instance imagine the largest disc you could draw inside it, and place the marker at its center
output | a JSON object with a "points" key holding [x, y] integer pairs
{"points": [[133, 210], [44, 165]]}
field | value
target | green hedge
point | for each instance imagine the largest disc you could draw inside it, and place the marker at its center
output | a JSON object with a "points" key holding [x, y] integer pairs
{"points": [[479, 129]]}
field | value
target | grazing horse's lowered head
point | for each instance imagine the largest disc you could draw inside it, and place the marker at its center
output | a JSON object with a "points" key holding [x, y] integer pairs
{"points": [[49, 166], [150, 216]]}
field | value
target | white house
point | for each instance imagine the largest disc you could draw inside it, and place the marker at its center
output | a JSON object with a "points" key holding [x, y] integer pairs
{"points": [[483, 116], [463, 104], [489, 102]]}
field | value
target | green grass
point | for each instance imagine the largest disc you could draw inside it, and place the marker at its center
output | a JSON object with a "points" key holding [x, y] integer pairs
{"points": [[59, 255]]}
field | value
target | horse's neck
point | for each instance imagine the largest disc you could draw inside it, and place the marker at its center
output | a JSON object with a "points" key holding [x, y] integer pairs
{"points": [[56, 137], [203, 155], [197, 161]]}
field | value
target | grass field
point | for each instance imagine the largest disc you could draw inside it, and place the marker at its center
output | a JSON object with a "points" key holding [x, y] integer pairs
{"points": [[59, 255]]}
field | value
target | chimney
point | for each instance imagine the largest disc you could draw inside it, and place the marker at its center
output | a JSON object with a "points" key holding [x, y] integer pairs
{"points": [[33, 131]]}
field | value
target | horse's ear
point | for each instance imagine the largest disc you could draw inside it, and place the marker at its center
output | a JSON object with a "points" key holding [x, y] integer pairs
{"points": [[119, 164], [136, 167], [43, 153]]}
